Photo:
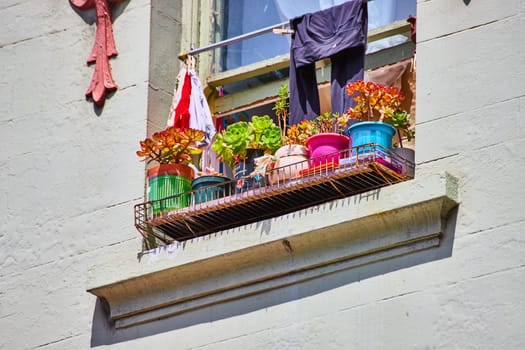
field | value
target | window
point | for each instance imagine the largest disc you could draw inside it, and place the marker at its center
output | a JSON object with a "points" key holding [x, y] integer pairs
{"points": [[238, 17]]}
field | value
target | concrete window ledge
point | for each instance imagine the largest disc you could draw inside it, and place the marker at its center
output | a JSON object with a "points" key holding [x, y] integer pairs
{"points": [[310, 243]]}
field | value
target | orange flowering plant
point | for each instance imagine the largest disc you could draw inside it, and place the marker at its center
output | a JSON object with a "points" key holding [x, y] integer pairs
{"points": [[332, 122], [171, 146], [298, 134], [374, 101], [382, 103]]}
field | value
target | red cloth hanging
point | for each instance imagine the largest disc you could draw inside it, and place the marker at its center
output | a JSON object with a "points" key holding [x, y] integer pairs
{"points": [[182, 110]]}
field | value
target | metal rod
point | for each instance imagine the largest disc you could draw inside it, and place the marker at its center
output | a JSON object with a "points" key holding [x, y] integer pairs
{"points": [[236, 39], [233, 40]]}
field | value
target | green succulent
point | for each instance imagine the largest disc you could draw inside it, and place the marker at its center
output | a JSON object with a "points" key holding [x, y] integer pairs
{"points": [[238, 136], [232, 143], [271, 138], [401, 121]]}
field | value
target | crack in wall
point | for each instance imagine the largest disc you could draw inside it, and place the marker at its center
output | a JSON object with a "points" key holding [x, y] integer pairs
{"points": [[57, 341], [466, 29], [482, 107], [33, 37]]}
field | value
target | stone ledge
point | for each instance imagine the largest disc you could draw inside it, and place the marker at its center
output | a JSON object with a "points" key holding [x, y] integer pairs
{"points": [[310, 243]]}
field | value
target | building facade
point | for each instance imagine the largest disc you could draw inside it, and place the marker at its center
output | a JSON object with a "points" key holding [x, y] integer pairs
{"points": [[67, 191]]}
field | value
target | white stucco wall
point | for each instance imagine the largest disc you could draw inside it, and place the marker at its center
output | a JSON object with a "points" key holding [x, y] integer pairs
{"points": [[69, 179], [68, 175]]}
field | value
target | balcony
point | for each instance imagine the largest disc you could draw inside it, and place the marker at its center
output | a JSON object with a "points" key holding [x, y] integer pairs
{"points": [[408, 218], [358, 170]]}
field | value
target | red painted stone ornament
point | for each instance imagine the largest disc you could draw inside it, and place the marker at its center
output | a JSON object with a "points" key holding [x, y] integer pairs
{"points": [[102, 82]]}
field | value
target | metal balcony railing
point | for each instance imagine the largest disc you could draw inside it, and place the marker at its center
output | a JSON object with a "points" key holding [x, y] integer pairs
{"points": [[280, 191]]}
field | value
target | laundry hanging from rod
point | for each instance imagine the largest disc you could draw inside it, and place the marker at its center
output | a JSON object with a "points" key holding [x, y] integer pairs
{"points": [[338, 33], [189, 108]]}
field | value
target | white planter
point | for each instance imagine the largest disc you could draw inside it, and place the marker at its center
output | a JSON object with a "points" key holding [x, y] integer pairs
{"points": [[291, 159]]}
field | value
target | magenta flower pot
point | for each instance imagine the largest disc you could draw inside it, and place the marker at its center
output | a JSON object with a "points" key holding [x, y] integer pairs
{"points": [[327, 147]]}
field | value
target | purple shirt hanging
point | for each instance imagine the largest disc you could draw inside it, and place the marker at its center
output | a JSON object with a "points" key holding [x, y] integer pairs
{"points": [[338, 33]]}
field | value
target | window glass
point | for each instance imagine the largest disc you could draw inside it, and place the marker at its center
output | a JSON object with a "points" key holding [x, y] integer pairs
{"points": [[237, 17], [382, 12]]}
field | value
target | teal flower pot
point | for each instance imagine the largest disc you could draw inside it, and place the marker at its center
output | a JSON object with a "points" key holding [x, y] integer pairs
{"points": [[371, 132], [210, 187]]}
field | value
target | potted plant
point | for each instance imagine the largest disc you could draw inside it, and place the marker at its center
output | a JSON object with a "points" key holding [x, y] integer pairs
{"points": [[292, 156], [327, 141], [241, 142], [210, 185], [375, 107], [298, 134], [401, 121], [172, 148], [281, 109]]}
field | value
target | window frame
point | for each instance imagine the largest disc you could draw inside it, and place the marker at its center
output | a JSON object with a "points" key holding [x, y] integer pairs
{"points": [[220, 104]]}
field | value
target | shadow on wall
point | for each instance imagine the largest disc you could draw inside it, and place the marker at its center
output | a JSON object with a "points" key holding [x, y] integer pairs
{"points": [[104, 333]]}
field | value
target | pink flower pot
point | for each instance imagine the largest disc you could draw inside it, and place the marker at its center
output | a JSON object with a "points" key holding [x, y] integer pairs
{"points": [[327, 147]]}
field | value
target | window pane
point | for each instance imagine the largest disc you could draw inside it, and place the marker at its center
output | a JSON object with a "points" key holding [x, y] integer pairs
{"points": [[237, 17], [382, 12]]}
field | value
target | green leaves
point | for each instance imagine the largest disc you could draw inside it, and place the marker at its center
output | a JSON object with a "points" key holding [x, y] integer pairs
{"points": [[261, 132], [260, 124], [271, 138], [401, 121], [238, 136]]}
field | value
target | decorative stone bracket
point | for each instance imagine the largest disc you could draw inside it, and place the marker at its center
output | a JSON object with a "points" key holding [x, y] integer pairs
{"points": [[345, 234], [102, 82]]}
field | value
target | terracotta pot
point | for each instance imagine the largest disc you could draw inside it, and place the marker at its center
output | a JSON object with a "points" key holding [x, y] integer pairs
{"points": [[171, 169]]}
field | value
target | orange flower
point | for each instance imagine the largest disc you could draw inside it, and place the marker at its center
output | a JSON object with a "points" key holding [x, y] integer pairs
{"points": [[373, 101]]}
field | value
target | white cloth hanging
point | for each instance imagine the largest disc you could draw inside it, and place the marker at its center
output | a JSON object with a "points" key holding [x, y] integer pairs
{"points": [[200, 115], [199, 110]]}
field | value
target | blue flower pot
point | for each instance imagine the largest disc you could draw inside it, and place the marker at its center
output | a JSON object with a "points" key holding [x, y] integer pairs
{"points": [[210, 187], [371, 132]]}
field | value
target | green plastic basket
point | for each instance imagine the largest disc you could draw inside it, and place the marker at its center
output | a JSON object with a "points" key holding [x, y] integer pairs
{"points": [[163, 186]]}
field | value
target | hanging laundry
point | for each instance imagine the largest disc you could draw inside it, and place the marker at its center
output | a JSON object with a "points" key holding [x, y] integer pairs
{"points": [[338, 33], [200, 115], [180, 108], [190, 108]]}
